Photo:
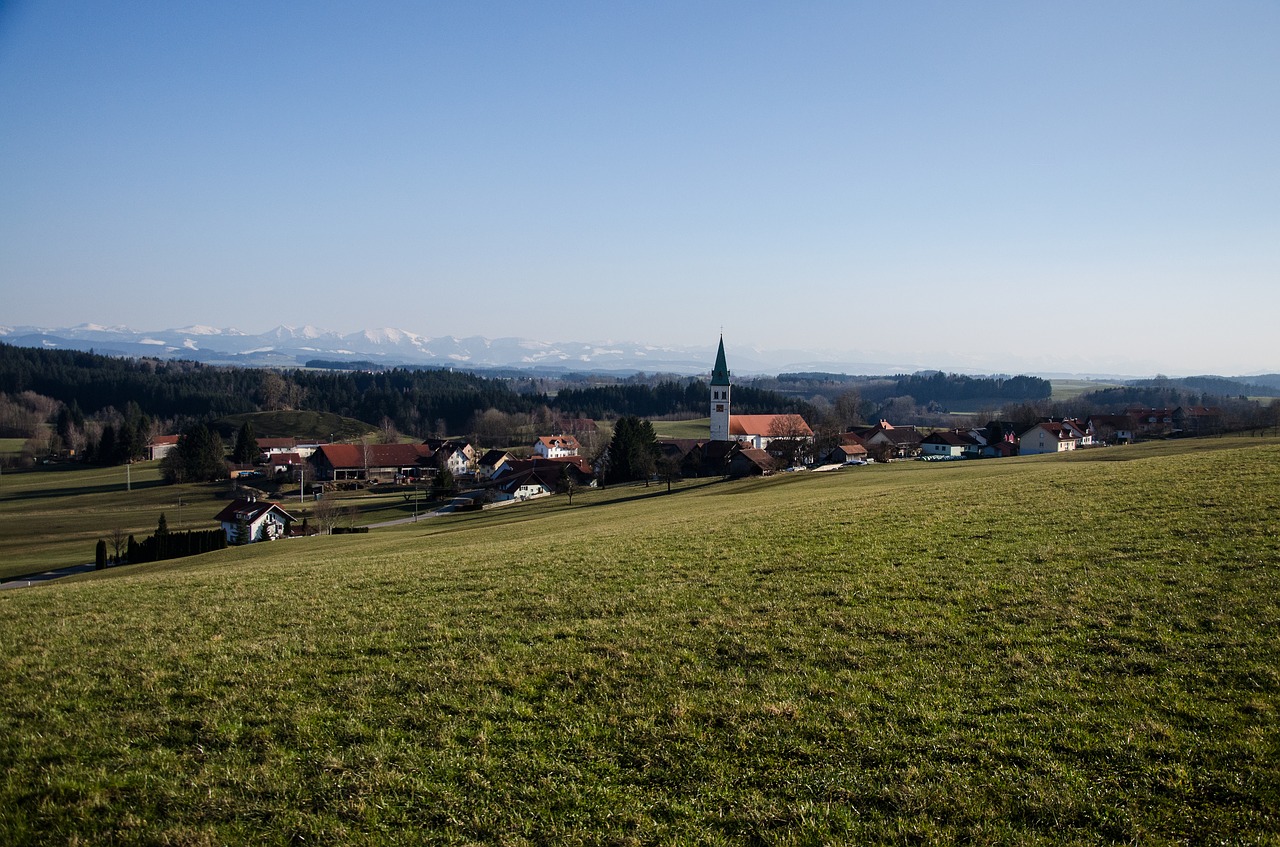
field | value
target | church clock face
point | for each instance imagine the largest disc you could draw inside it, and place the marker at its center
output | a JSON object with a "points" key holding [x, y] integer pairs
{"points": [[719, 407]]}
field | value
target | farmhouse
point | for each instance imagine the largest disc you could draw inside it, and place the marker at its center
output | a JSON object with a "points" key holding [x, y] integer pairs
{"points": [[247, 521], [381, 462], [556, 446], [1052, 437], [952, 444], [750, 461], [889, 441], [490, 462], [159, 446]]}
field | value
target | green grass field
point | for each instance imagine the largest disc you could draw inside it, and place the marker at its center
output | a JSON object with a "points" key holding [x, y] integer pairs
{"points": [[1070, 389], [697, 428], [53, 517], [1074, 650]]}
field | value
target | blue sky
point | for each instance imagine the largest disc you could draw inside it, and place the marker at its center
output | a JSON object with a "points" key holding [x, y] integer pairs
{"points": [[1089, 187]]}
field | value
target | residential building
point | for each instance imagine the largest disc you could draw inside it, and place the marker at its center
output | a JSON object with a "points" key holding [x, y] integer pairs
{"points": [[250, 520]]}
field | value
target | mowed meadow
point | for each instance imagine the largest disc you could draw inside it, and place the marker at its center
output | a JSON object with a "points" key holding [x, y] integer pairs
{"points": [[1058, 650]]}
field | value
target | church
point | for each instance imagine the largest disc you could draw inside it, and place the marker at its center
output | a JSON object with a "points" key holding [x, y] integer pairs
{"points": [[751, 430]]}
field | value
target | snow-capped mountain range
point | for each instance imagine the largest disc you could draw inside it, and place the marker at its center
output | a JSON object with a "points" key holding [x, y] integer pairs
{"points": [[286, 346]]}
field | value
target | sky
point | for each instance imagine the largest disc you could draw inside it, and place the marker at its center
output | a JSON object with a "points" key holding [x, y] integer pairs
{"points": [[1088, 187]]}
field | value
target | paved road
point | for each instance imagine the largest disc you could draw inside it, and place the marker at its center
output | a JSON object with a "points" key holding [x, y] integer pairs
{"points": [[437, 513], [44, 576]]}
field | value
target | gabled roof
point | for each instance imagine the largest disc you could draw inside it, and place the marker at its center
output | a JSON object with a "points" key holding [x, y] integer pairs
{"points": [[564, 442], [756, 457], [276, 443], [249, 511], [678, 448], [770, 426], [493, 458], [952, 439], [898, 435], [161, 440], [1061, 430], [379, 455], [285, 459]]}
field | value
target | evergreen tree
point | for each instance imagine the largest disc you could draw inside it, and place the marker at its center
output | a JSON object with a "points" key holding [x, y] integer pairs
{"points": [[105, 454], [246, 449], [100, 555], [242, 532], [162, 538], [197, 457], [633, 452]]}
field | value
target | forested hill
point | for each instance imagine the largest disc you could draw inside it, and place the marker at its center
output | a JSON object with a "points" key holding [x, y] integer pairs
{"points": [[413, 400], [926, 387]]}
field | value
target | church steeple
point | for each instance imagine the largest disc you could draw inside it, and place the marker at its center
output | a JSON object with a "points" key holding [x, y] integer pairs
{"points": [[720, 397], [720, 373]]}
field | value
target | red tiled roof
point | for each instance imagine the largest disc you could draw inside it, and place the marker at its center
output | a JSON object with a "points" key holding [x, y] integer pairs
{"points": [[379, 455], [567, 442], [772, 426]]}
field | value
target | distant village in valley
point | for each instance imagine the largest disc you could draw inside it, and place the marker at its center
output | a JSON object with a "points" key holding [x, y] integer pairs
{"points": [[290, 485], [735, 446]]}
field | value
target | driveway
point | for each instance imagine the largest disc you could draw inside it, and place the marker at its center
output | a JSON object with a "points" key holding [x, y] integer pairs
{"points": [[44, 576]]}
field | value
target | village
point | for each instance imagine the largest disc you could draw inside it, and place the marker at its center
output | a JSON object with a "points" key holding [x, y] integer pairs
{"points": [[461, 478]]}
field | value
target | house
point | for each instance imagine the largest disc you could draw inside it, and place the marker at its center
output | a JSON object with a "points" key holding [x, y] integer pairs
{"points": [[280, 463], [844, 454], [578, 467], [758, 430], [1152, 422], [555, 446], [247, 521], [490, 462], [1111, 429], [1051, 436], [894, 442], [457, 457], [701, 458], [1198, 420], [522, 479], [159, 446], [373, 462], [950, 444], [268, 446], [751, 461]]}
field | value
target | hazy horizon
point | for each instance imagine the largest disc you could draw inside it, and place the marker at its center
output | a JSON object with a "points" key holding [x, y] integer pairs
{"points": [[1019, 188]]}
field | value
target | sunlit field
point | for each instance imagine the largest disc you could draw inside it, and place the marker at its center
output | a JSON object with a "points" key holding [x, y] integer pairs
{"points": [[1073, 650]]}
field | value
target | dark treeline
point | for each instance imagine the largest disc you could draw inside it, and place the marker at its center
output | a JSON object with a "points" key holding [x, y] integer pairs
{"points": [[413, 400], [160, 388], [668, 398], [924, 388], [175, 545], [1213, 386], [949, 388]]}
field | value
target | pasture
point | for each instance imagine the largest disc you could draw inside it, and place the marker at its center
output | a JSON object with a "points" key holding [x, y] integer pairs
{"points": [[1057, 650]]}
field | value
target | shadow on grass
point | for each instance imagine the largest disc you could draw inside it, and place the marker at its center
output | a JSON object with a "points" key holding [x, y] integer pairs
{"points": [[71, 491]]}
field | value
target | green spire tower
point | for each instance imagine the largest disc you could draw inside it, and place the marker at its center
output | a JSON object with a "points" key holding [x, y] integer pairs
{"points": [[720, 397]]}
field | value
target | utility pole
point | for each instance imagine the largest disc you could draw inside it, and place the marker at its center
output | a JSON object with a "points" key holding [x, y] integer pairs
{"points": [[128, 476]]}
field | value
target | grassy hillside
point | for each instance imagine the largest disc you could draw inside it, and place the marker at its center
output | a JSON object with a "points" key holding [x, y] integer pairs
{"points": [[53, 517], [1035, 651]]}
